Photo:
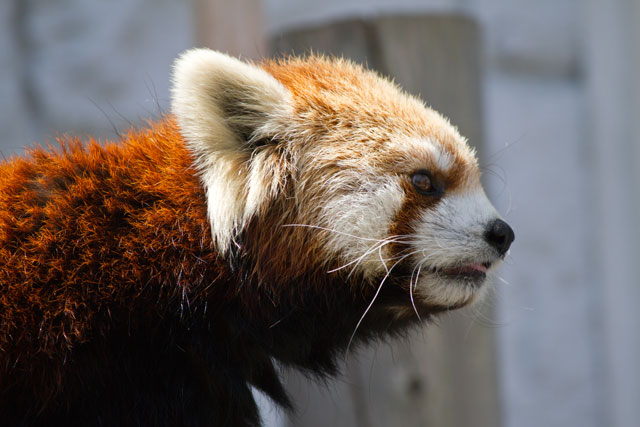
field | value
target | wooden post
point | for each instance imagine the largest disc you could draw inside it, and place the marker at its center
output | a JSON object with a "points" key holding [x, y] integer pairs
{"points": [[443, 375], [233, 27]]}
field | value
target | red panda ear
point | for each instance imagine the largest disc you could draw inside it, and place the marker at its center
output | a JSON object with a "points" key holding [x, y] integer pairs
{"points": [[225, 109], [222, 103]]}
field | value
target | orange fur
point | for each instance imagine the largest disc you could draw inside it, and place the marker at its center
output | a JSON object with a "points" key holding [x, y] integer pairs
{"points": [[84, 232], [342, 104]]}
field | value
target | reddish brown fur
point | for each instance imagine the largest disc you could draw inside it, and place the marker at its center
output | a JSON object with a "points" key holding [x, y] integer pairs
{"points": [[337, 97], [69, 218]]}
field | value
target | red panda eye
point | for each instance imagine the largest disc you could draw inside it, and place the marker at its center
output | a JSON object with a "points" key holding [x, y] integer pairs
{"points": [[423, 183]]}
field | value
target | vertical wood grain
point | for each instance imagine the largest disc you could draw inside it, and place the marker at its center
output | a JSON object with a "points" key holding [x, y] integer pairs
{"points": [[233, 27]]}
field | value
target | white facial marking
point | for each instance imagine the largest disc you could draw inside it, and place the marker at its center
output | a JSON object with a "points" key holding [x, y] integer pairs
{"points": [[455, 227], [361, 220], [452, 235], [444, 160]]}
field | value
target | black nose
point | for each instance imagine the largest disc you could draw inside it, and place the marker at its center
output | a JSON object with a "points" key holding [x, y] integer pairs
{"points": [[499, 235]]}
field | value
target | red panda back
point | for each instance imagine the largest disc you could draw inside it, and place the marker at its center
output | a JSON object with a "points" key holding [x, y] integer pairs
{"points": [[84, 230]]}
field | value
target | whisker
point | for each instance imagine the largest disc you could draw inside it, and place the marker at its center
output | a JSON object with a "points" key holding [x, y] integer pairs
{"points": [[508, 146], [482, 319], [377, 246], [384, 264], [503, 281], [481, 313], [411, 286], [375, 296], [382, 261], [317, 227]]}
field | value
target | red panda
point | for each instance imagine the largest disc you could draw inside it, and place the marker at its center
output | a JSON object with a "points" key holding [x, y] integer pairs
{"points": [[283, 212]]}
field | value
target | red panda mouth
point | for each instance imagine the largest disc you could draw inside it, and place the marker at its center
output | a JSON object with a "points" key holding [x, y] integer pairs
{"points": [[474, 272]]}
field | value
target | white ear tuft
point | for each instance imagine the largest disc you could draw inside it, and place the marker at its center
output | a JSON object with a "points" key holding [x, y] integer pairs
{"points": [[224, 107], [218, 99]]}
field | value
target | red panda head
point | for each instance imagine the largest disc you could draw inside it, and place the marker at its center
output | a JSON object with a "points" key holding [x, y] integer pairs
{"points": [[318, 166]]}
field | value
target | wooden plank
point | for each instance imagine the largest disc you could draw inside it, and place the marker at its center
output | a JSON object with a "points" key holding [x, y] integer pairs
{"points": [[233, 27], [441, 375]]}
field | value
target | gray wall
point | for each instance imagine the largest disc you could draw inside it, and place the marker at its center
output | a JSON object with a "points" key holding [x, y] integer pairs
{"points": [[85, 66]]}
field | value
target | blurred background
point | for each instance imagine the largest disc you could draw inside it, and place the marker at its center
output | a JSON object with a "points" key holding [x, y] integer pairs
{"points": [[549, 93]]}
